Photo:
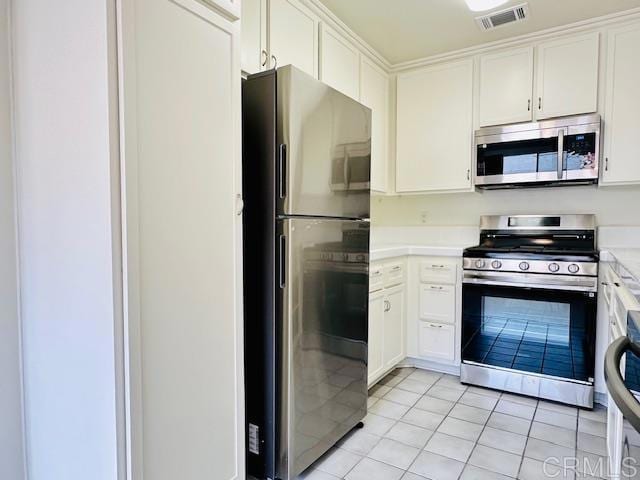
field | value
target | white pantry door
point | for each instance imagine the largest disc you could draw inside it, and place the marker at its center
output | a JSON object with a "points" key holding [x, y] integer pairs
{"points": [[181, 170]]}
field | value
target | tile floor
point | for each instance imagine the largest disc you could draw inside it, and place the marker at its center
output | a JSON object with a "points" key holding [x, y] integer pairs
{"points": [[425, 425]]}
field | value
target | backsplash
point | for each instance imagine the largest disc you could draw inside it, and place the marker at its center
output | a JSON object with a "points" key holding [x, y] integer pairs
{"points": [[613, 206]]}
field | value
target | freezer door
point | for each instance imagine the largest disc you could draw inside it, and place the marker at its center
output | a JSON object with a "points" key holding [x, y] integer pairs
{"points": [[324, 282], [324, 149]]}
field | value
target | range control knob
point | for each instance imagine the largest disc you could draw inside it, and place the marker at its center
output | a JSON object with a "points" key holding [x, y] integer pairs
{"points": [[496, 264], [480, 263], [573, 268], [524, 266], [554, 267]]}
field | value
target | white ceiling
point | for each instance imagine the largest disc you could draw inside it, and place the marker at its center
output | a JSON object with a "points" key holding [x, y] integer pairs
{"points": [[403, 30]]}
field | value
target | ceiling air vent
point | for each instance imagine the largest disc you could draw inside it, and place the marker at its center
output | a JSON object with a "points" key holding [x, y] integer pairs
{"points": [[503, 17]]}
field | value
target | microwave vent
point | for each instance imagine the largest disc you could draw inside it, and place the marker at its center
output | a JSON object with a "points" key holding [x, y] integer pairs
{"points": [[493, 20]]}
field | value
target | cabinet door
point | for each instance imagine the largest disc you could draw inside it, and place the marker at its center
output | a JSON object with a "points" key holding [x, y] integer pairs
{"points": [[435, 129], [567, 78], [254, 36], [437, 341], [376, 335], [293, 36], [506, 84], [339, 63], [438, 303], [183, 249], [393, 344], [622, 118], [374, 93]]}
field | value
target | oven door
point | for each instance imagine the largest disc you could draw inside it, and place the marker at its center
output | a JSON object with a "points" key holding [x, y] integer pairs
{"points": [[541, 329], [532, 157]]}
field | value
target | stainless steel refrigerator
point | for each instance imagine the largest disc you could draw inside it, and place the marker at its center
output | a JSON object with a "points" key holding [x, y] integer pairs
{"points": [[306, 172]]}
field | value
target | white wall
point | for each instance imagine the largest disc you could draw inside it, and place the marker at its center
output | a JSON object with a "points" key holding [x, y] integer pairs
{"points": [[64, 189], [612, 205], [11, 438]]}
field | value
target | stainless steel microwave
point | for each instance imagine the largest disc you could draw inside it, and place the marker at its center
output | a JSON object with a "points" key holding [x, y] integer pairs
{"points": [[562, 151]]}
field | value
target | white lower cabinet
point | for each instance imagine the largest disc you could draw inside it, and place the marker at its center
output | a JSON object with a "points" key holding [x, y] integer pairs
{"points": [[387, 331], [376, 334], [433, 310], [437, 341], [393, 344], [438, 303]]}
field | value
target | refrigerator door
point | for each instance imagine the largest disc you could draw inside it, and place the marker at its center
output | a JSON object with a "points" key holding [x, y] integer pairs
{"points": [[323, 278], [323, 149]]}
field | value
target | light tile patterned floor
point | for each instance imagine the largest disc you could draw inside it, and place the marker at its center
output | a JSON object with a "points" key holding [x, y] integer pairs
{"points": [[424, 425]]}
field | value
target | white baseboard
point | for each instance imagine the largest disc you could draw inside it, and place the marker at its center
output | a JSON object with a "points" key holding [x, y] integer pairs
{"points": [[430, 365]]}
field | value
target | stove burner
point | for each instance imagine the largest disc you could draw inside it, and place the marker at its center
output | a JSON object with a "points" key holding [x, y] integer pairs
{"points": [[553, 250]]}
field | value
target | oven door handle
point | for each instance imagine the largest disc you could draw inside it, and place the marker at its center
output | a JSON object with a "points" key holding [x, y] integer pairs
{"points": [[622, 396], [539, 281]]}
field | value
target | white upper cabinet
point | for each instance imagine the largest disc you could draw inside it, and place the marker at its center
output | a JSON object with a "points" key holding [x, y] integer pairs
{"points": [[339, 63], [254, 36], [374, 93], [506, 87], [567, 76], [435, 128], [622, 118], [293, 36]]}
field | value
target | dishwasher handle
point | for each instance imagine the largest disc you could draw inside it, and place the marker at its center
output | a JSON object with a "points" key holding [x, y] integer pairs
{"points": [[622, 396]]}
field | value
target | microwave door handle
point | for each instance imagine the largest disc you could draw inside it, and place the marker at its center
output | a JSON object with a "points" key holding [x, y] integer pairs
{"points": [[621, 395], [560, 153]]}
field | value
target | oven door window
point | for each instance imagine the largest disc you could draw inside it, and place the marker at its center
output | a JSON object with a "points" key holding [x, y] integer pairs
{"points": [[547, 332]]}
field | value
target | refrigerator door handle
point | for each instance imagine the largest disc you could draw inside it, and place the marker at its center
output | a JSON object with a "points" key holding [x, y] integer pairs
{"points": [[282, 173], [283, 261], [347, 172]]}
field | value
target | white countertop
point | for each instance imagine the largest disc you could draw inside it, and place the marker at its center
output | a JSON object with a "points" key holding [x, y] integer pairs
{"points": [[382, 252], [629, 258]]}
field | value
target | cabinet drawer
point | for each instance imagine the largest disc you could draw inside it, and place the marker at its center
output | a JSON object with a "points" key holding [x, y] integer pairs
{"points": [[438, 303], [437, 341], [393, 274], [376, 278], [438, 272]]}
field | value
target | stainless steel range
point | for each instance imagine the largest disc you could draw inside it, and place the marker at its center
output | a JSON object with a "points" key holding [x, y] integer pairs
{"points": [[529, 307]]}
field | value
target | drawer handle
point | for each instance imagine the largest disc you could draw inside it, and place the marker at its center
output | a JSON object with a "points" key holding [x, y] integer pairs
{"points": [[387, 305], [396, 268], [437, 266], [376, 272], [436, 288], [435, 326]]}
